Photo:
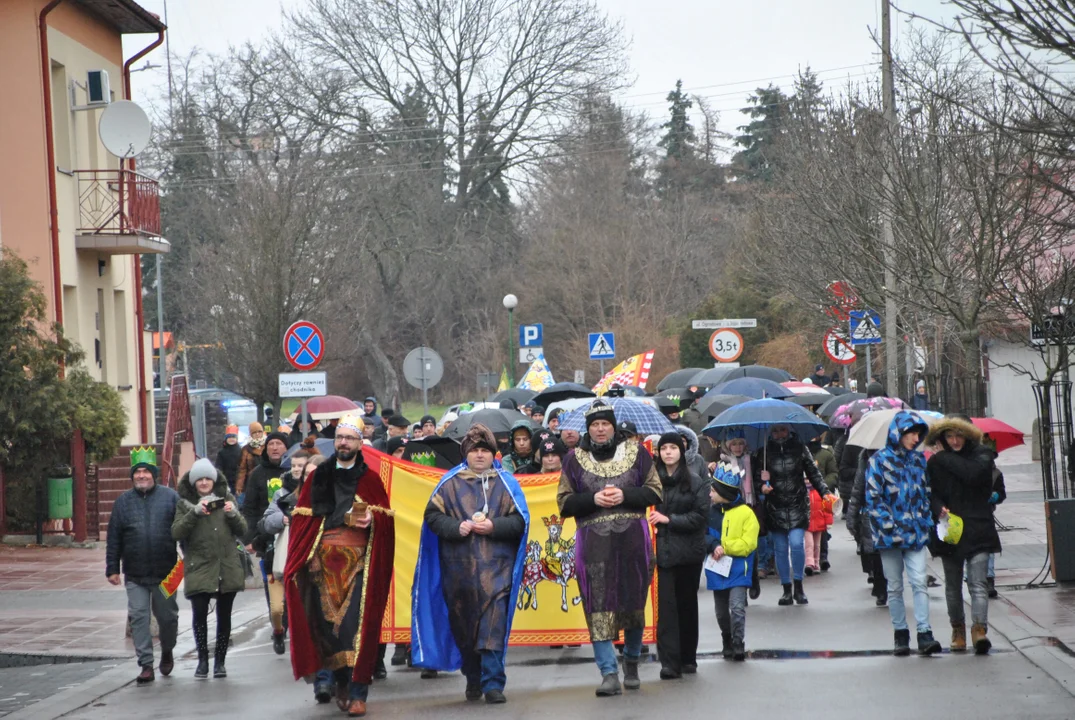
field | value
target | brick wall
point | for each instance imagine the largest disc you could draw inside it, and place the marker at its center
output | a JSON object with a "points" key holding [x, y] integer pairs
{"points": [[113, 479]]}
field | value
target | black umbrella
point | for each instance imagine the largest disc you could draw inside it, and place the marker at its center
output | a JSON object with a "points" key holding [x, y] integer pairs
{"points": [[325, 446], [498, 420], [678, 378], [562, 391], [709, 378], [837, 402], [762, 372], [811, 399], [681, 395], [519, 395], [837, 390], [444, 452], [712, 405]]}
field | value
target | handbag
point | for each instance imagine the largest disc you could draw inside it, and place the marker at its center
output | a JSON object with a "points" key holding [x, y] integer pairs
{"points": [[279, 557], [244, 560]]}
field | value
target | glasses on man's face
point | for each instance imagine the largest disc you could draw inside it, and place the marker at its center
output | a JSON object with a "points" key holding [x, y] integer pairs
{"points": [[347, 438]]}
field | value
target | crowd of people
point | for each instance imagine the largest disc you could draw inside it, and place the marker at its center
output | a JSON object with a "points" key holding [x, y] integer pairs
{"points": [[679, 507]]}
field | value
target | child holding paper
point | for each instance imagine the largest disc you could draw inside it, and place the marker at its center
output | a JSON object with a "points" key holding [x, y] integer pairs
{"points": [[732, 540]]}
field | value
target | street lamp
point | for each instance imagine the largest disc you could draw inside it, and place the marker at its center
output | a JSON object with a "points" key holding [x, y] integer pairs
{"points": [[510, 301]]}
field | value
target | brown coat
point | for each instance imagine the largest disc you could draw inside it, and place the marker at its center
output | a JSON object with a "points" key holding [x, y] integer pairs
{"points": [[250, 459]]}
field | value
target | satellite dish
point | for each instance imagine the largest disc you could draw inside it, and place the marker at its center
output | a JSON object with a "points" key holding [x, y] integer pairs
{"points": [[124, 129]]}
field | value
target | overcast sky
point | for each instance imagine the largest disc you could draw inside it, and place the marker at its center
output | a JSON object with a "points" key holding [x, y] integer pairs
{"points": [[721, 49]]}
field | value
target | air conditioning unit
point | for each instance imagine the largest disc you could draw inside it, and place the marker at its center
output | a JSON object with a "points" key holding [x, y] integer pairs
{"points": [[98, 90]]}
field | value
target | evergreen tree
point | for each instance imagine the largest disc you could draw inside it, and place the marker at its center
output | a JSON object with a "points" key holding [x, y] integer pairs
{"points": [[678, 141], [767, 111]]}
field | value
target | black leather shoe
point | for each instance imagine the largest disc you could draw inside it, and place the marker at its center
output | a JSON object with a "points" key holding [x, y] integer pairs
{"points": [[278, 643], [495, 697], [380, 672], [786, 598], [146, 676]]}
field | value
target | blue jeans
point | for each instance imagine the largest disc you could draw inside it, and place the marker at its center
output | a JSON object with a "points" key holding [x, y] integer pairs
{"points": [[764, 552], [895, 562], [485, 668], [604, 652], [991, 571], [782, 543], [355, 691]]}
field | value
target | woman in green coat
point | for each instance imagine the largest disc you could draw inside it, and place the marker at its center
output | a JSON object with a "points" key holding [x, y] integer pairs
{"points": [[208, 525]]}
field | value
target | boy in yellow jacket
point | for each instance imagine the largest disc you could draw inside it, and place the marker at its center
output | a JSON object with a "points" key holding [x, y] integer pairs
{"points": [[733, 538]]}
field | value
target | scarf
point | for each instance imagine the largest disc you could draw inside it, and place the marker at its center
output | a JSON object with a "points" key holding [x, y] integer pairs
{"points": [[742, 463]]}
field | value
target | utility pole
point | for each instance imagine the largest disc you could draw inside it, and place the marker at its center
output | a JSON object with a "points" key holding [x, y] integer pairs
{"points": [[161, 364], [888, 106]]}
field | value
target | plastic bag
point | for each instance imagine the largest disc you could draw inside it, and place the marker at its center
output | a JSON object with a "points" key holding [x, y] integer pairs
{"points": [[950, 529]]}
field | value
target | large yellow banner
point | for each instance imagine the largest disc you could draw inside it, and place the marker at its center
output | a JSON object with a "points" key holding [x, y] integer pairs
{"points": [[548, 609]]}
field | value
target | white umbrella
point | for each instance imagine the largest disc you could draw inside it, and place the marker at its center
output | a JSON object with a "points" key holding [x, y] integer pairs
{"points": [[871, 432]]}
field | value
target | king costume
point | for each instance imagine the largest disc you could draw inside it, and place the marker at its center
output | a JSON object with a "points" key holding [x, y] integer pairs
{"points": [[613, 549], [464, 590], [337, 577]]}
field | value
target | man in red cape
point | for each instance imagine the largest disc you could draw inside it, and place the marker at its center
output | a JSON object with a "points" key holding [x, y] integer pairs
{"points": [[339, 570]]}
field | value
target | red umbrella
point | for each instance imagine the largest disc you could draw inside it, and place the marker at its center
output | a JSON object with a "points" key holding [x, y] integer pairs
{"points": [[1003, 434], [329, 407], [804, 388]]}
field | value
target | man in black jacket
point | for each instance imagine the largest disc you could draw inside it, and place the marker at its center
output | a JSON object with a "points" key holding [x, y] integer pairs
{"points": [[256, 497], [227, 460], [140, 544]]}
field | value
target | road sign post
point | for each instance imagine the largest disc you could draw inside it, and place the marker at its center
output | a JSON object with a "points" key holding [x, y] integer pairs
{"points": [[304, 347], [865, 330], [530, 335], [725, 345], [837, 347], [602, 347], [423, 369]]}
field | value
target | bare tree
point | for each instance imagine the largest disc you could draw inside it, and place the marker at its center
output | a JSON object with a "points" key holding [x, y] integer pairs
{"points": [[499, 76]]}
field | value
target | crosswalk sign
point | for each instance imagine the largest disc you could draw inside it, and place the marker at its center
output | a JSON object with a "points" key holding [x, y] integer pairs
{"points": [[602, 346], [865, 327]]}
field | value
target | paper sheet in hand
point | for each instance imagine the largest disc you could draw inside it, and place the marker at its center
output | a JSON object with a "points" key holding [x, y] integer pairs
{"points": [[722, 567], [942, 529]]}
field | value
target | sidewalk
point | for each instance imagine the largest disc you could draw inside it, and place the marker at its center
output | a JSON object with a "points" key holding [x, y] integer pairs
{"points": [[62, 625], [1051, 607]]}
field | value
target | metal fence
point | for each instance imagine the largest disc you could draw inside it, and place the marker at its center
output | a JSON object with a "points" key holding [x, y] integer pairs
{"points": [[1055, 438]]}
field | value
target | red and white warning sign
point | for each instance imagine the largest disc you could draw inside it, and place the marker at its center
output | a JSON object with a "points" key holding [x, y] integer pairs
{"points": [[838, 346]]}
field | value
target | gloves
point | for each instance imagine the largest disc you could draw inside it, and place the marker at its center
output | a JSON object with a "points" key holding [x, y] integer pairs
{"points": [[994, 499]]}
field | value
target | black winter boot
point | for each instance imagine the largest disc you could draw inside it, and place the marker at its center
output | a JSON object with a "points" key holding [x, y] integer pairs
{"points": [[726, 646], [991, 586], [201, 642], [219, 653], [631, 680], [786, 598], [902, 647], [927, 645], [799, 596]]}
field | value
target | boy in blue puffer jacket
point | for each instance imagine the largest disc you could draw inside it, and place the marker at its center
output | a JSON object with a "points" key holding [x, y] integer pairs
{"points": [[733, 533]]}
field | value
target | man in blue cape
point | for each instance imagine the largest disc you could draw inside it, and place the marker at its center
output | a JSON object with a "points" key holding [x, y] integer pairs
{"points": [[470, 566]]}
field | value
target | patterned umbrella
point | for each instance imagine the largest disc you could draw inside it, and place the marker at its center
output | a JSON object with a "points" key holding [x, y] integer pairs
{"points": [[330, 407], [833, 404], [849, 414], [648, 420]]}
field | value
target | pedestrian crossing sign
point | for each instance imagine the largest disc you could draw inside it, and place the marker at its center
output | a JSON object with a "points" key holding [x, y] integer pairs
{"points": [[865, 327], [602, 346]]}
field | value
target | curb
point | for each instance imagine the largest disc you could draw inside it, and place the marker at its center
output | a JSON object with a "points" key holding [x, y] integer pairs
{"points": [[1029, 639], [1035, 643], [110, 681]]}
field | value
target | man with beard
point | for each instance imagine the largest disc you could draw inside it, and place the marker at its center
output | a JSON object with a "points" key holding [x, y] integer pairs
{"points": [[339, 570], [606, 485]]}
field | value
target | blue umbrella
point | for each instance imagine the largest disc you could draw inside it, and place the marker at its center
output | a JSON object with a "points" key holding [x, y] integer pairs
{"points": [[757, 388], [648, 420], [753, 420]]}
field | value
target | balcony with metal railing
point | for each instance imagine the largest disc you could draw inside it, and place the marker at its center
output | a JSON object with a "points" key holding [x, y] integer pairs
{"points": [[119, 213]]}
